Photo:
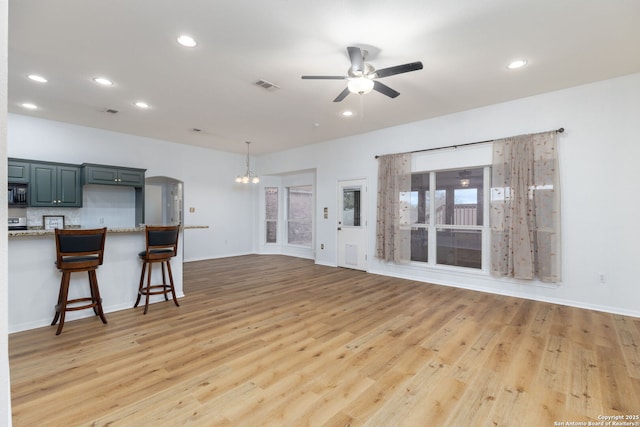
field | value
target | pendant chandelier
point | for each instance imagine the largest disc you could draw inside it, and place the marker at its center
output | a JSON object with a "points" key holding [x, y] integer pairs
{"points": [[249, 176]]}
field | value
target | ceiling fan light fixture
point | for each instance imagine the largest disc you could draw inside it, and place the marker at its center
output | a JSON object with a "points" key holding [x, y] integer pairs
{"points": [[360, 85]]}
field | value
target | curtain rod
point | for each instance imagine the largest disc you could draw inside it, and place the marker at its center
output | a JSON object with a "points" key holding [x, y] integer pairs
{"points": [[560, 130]]}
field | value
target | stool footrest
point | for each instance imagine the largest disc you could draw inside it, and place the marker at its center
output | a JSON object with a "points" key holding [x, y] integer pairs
{"points": [[92, 303], [153, 290]]}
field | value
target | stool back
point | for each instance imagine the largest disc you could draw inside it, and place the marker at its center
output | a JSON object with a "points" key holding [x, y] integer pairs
{"points": [[80, 249], [162, 241]]}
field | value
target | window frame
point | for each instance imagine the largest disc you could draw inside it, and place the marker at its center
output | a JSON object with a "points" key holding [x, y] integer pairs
{"points": [[432, 228]]}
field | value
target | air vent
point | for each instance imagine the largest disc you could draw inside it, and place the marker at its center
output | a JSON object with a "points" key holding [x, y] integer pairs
{"points": [[267, 85], [111, 111]]}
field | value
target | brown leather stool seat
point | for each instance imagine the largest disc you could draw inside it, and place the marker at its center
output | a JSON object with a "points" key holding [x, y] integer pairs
{"points": [[79, 251], [162, 245]]}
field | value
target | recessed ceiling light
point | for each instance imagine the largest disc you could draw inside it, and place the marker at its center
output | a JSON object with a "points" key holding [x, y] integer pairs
{"points": [[187, 41], [141, 104], [29, 106], [517, 64], [103, 81], [347, 113], [37, 78]]}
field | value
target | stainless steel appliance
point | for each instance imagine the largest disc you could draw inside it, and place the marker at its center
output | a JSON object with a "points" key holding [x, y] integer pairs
{"points": [[17, 223], [18, 194]]}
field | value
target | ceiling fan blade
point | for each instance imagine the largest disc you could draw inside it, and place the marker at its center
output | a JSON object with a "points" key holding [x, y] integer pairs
{"points": [[399, 69], [342, 95], [384, 89], [355, 56], [324, 77]]}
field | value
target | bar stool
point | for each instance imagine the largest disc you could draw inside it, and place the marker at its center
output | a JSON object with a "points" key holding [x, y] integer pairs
{"points": [[162, 245], [78, 251]]}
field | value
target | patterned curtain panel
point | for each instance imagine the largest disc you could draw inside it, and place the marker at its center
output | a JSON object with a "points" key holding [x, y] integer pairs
{"points": [[525, 208], [393, 228]]}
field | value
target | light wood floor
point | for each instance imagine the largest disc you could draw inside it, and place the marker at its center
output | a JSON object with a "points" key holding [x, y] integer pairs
{"points": [[272, 340]]}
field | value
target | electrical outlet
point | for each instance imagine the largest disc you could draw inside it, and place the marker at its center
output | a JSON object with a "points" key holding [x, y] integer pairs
{"points": [[192, 210], [603, 278], [321, 245]]}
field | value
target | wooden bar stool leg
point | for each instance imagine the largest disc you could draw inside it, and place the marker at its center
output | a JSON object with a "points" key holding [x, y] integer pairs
{"points": [[59, 303], [148, 290], [164, 280], [95, 293], [173, 290], [144, 268], [62, 307]]}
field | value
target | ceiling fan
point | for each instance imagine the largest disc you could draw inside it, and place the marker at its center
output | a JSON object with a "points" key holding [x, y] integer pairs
{"points": [[362, 75]]}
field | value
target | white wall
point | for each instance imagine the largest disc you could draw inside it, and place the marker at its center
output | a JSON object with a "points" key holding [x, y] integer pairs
{"points": [[599, 152], [5, 386], [208, 176]]}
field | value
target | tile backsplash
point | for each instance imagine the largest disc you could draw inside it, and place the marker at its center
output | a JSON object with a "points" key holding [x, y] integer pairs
{"points": [[102, 206]]}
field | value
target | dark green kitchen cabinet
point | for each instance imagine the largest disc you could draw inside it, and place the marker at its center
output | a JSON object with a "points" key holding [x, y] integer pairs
{"points": [[55, 185], [111, 175], [18, 171]]}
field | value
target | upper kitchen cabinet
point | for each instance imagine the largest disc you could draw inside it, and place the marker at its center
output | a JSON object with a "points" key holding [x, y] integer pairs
{"points": [[112, 175], [18, 171], [55, 185]]}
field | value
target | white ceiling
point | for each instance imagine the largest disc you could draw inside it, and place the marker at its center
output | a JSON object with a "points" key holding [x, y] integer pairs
{"points": [[464, 45]]}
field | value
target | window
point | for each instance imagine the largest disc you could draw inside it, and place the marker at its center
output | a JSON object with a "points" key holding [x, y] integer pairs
{"points": [[351, 207], [447, 215], [271, 214], [299, 215]]}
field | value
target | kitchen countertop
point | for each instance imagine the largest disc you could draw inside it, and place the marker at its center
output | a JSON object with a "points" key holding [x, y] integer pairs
{"points": [[42, 232]]}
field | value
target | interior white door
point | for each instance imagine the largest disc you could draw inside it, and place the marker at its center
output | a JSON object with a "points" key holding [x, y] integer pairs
{"points": [[352, 224]]}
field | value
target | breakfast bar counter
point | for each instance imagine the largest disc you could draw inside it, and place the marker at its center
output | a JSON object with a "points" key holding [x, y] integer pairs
{"points": [[42, 232], [34, 280]]}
